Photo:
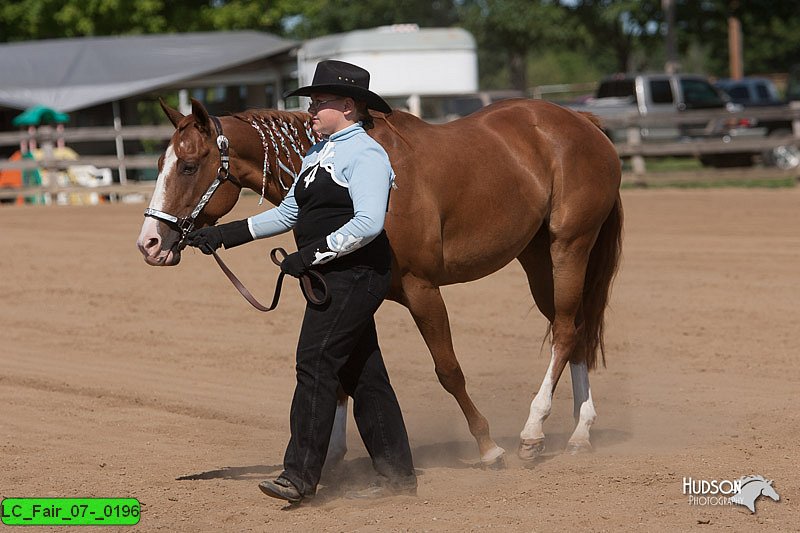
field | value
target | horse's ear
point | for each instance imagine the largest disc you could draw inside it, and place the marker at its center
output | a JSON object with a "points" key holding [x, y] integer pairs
{"points": [[173, 115], [201, 115]]}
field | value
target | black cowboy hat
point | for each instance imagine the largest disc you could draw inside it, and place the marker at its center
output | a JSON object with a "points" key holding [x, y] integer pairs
{"points": [[343, 79]]}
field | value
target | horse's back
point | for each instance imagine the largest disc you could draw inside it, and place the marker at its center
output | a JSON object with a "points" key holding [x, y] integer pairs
{"points": [[473, 192], [519, 147], [525, 129]]}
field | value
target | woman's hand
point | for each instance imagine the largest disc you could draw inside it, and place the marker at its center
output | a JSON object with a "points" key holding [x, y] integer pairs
{"points": [[210, 238], [206, 239], [294, 265]]}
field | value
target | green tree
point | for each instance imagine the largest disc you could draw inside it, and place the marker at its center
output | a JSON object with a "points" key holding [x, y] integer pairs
{"points": [[771, 42], [508, 31], [618, 29], [48, 19], [315, 18]]}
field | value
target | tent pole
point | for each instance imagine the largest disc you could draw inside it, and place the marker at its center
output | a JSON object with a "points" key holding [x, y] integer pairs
{"points": [[123, 177], [184, 105]]}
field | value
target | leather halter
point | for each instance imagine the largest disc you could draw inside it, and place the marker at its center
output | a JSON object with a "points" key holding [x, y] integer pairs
{"points": [[185, 225]]}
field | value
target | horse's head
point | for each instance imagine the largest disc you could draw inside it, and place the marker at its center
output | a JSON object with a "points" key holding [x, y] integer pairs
{"points": [[769, 491], [185, 172]]}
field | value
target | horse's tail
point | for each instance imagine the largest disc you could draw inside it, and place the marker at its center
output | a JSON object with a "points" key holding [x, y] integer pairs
{"points": [[600, 272]]}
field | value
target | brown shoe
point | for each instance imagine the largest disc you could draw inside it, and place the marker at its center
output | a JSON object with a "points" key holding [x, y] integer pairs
{"points": [[282, 489]]}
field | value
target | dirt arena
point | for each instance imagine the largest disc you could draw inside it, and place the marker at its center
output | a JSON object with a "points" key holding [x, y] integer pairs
{"points": [[162, 384]]}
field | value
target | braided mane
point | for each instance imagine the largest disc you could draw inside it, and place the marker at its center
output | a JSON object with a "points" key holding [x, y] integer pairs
{"points": [[285, 137]]}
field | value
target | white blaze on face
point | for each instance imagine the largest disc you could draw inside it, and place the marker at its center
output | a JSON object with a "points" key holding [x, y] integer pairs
{"points": [[149, 233], [159, 195]]}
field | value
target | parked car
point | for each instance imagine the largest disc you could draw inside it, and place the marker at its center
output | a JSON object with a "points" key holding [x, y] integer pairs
{"points": [[751, 91], [662, 93], [756, 93]]}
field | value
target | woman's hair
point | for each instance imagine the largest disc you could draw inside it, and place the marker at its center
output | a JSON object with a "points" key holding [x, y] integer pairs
{"points": [[362, 113]]}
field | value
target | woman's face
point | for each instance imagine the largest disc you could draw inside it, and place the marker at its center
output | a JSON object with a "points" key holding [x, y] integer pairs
{"points": [[329, 113]]}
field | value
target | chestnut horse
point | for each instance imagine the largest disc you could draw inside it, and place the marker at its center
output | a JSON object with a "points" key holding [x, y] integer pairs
{"points": [[521, 179]]}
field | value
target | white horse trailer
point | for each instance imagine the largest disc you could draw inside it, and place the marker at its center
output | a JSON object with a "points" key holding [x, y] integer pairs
{"points": [[428, 71]]}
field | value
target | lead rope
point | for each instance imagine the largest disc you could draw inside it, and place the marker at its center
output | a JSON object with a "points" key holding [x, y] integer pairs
{"points": [[306, 283]]}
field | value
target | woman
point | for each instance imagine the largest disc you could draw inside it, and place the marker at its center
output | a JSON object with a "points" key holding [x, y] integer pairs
{"points": [[337, 208]]}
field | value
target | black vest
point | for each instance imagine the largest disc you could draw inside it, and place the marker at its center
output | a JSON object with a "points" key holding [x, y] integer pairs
{"points": [[324, 207]]}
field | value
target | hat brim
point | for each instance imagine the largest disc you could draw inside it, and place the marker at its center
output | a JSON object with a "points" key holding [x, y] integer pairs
{"points": [[372, 100]]}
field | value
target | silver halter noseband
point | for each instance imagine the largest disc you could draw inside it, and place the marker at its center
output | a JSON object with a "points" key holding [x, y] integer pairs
{"points": [[185, 225]]}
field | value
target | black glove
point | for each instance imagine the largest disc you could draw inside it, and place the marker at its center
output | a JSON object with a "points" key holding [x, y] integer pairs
{"points": [[294, 265], [314, 254], [207, 239], [210, 238]]}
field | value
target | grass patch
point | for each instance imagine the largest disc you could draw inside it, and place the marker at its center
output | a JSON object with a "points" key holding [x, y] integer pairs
{"points": [[777, 183], [666, 164]]}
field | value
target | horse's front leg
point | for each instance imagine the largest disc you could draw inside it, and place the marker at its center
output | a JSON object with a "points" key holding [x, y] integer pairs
{"points": [[337, 446], [425, 303]]}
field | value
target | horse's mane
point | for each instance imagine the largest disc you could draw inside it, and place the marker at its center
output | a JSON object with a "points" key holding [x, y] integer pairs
{"points": [[301, 118], [271, 114], [594, 119], [388, 119]]}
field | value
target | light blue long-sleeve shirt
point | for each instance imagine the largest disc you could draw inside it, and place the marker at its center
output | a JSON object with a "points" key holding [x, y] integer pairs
{"points": [[354, 161]]}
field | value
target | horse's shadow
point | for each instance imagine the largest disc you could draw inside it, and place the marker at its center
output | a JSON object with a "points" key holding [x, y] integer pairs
{"points": [[453, 454]]}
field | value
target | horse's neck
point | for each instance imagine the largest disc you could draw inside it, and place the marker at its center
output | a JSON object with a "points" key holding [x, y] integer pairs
{"points": [[284, 137]]}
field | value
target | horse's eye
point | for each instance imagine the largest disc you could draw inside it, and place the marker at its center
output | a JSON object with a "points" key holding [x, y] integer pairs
{"points": [[188, 168]]}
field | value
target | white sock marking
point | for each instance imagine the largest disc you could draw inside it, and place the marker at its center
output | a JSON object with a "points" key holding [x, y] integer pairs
{"points": [[584, 412], [541, 404]]}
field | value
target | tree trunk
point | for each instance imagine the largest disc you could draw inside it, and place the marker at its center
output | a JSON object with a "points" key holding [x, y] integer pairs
{"points": [[518, 69]]}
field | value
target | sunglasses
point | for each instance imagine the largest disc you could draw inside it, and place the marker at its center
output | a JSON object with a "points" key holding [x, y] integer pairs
{"points": [[315, 104]]}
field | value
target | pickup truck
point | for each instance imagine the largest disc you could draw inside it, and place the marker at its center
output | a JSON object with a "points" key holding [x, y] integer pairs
{"points": [[755, 93], [646, 94]]}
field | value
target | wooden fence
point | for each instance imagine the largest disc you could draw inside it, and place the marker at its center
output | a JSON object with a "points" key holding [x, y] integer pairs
{"points": [[637, 150]]}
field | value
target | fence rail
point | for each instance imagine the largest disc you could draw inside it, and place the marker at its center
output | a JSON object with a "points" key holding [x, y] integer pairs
{"points": [[145, 189], [636, 149]]}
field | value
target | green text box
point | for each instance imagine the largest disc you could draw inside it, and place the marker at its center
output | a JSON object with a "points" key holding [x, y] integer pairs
{"points": [[70, 511]]}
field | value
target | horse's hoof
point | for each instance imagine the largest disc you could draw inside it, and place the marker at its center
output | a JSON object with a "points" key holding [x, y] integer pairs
{"points": [[494, 459], [530, 449], [578, 447]]}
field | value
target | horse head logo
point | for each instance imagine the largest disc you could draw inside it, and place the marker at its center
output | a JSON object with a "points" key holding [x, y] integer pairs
{"points": [[752, 488]]}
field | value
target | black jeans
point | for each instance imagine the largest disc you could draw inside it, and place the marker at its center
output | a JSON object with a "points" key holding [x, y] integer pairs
{"points": [[339, 345]]}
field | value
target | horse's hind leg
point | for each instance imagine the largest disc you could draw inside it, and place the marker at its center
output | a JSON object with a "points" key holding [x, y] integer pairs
{"points": [[569, 258], [584, 408], [425, 303]]}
